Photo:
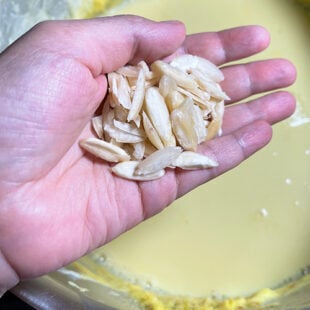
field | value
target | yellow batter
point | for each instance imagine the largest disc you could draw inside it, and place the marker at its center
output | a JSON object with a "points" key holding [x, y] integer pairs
{"points": [[90, 8], [247, 230]]}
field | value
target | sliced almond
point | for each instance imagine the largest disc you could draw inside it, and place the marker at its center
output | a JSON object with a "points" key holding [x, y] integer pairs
{"points": [[120, 89], [149, 75], [104, 150], [191, 160], [122, 136], [166, 85], [129, 71], [124, 92], [127, 169], [199, 124], [111, 99], [219, 109], [215, 126], [129, 128], [183, 125], [97, 125], [138, 97], [173, 100], [158, 113], [107, 120], [158, 160], [187, 63], [210, 86], [202, 98], [181, 78], [139, 149], [151, 132]]}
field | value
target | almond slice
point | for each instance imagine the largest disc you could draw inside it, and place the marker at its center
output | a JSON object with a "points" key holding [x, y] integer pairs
{"points": [[199, 124], [104, 150], [187, 63], [129, 71], [166, 85], [97, 125], [158, 113], [120, 89], [149, 75], [129, 128], [122, 136], [215, 126], [139, 150], [173, 100], [151, 132], [183, 125], [202, 100], [138, 97], [191, 160], [181, 78], [158, 160], [126, 170], [209, 86]]}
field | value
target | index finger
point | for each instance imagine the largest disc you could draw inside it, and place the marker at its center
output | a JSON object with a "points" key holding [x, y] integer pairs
{"points": [[227, 45]]}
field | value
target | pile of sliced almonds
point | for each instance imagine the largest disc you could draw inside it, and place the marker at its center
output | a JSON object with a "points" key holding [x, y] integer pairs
{"points": [[155, 117]]}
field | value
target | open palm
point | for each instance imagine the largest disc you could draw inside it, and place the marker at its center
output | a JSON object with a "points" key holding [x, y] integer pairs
{"points": [[56, 204]]}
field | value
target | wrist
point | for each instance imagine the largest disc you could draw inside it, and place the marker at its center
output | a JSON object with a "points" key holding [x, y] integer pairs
{"points": [[8, 277]]}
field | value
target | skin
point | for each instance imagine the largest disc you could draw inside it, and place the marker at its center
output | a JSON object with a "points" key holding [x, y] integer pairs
{"points": [[56, 203]]}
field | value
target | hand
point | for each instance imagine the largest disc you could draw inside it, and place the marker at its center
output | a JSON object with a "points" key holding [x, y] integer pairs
{"points": [[55, 203]]}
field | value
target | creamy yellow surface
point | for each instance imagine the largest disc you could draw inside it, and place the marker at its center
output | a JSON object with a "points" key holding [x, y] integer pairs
{"points": [[240, 236], [90, 8], [249, 229]]}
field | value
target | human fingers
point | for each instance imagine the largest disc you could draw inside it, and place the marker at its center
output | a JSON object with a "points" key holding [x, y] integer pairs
{"points": [[244, 80], [107, 43], [229, 151], [241, 80], [227, 45], [271, 108]]}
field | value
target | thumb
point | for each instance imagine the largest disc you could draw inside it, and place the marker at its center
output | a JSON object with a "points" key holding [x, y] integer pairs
{"points": [[107, 43]]}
